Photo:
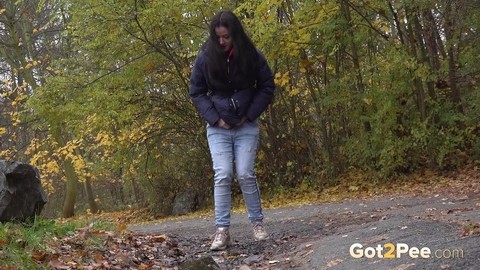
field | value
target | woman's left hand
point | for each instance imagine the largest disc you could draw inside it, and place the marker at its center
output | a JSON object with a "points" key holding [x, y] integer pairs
{"points": [[244, 118]]}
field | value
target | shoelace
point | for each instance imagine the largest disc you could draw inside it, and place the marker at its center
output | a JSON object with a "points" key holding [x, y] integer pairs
{"points": [[258, 227], [219, 235]]}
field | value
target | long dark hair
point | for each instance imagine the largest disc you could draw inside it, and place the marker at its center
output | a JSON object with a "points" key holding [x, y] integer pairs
{"points": [[245, 54]]}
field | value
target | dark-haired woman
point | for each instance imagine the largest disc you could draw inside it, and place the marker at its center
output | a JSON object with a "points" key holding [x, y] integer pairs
{"points": [[231, 85]]}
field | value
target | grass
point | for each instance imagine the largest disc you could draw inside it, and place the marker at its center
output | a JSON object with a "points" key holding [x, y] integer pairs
{"points": [[25, 245]]}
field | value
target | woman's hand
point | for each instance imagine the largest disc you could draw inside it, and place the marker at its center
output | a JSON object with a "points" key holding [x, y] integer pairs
{"points": [[244, 118], [222, 124]]}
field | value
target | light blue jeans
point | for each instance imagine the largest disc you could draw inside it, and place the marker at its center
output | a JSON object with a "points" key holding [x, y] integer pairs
{"points": [[228, 147]]}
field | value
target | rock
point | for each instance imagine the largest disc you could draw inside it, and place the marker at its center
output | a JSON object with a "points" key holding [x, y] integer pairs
{"points": [[205, 263], [185, 202], [21, 193], [253, 259]]}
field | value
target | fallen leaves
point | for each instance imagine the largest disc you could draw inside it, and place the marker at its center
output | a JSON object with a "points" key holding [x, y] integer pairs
{"points": [[471, 229], [89, 248], [334, 263]]}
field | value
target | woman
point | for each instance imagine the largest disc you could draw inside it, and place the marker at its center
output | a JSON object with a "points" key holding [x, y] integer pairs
{"points": [[231, 85]]}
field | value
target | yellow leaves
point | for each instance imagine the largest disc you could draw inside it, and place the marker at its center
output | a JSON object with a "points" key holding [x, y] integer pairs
{"points": [[132, 169], [104, 139], [282, 79], [6, 82], [49, 162], [381, 25], [20, 98], [304, 65], [70, 152], [2, 10], [122, 227], [47, 166], [67, 150], [139, 134], [186, 71], [261, 155], [32, 64], [7, 153], [15, 119], [3, 130], [368, 101], [295, 91]]}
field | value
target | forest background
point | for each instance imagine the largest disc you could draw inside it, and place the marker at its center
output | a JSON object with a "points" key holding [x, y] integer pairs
{"points": [[95, 95]]}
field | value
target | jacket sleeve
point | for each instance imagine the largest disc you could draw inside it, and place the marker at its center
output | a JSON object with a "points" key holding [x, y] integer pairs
{"points": [[199, 90], [265, 90]]}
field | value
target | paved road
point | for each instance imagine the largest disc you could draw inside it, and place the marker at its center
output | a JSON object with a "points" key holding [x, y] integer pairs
{"points": [[433, 232]]}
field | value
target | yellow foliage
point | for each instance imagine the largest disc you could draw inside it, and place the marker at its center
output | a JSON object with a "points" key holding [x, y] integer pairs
{"points": [[47, 166], [132, 169], [295, 91], [3, 130], [7, 153], [282, 79], [104, 139], [367, 101], [261, 155], [70, 153]]}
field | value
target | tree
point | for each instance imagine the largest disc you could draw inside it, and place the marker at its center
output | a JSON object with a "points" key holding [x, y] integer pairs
{"points": [[381, 85]]}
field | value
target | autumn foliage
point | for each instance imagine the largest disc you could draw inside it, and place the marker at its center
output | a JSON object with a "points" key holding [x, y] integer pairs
{"points": [[95, 94]]}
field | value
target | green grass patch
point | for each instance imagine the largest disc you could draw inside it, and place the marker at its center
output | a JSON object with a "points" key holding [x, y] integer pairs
{"points": [[28, 245]]}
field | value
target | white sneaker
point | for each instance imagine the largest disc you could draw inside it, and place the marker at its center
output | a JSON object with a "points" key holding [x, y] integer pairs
{"points": [[221, 239], [259, 232]]}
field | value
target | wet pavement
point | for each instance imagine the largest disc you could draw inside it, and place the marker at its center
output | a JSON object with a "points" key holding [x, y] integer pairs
{"points": [[412, 232]]}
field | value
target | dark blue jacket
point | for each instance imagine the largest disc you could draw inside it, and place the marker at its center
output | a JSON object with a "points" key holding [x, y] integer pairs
{"points": [[232, 99]]}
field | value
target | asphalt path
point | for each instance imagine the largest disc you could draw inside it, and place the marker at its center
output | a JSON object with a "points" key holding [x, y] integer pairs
{"points": [[410, 232]]}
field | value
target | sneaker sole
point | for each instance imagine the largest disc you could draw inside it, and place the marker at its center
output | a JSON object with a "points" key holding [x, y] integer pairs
{"points": [[261, 239], [229, 243], [218, 249]]}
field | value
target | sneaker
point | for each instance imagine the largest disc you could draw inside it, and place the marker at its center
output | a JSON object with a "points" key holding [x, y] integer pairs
{"points": [[221, 239], [259, 232]]}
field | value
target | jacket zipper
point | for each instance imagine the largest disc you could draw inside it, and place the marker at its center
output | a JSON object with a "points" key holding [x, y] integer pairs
{"points": [[228, 65], [230, 53]]}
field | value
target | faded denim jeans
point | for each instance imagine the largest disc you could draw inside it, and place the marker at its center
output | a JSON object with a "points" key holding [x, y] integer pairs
{"points": [[228, 147]]}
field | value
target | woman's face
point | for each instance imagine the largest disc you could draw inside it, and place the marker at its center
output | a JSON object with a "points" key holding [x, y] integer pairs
{"points": [[224, 38]]}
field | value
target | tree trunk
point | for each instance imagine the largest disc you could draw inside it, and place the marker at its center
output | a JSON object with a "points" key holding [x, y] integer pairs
{"points": [[421, 41], [325, 140], [90, 196], [397, 22], [359, 85], [450, 24], [429, 30], [71, 190], [414, 43], [70, 175]]}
